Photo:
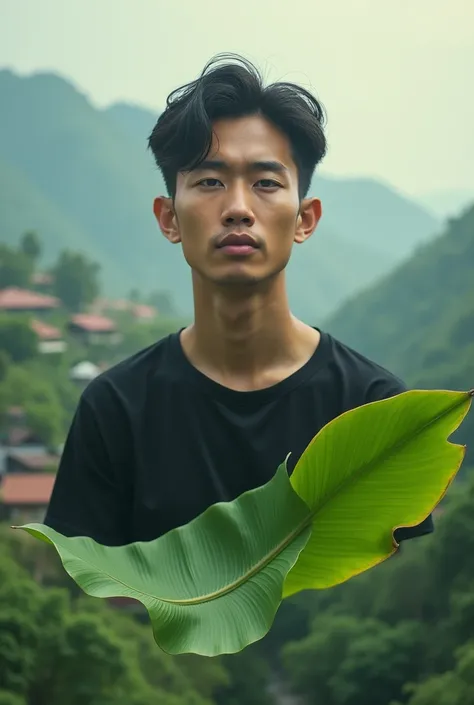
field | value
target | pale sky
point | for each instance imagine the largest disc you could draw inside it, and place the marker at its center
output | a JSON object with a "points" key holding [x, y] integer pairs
{"points": [[396, 78]]}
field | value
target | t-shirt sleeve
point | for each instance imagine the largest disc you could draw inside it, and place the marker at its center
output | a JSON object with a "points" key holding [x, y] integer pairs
{"points": [[384, 388], [89, 497]]}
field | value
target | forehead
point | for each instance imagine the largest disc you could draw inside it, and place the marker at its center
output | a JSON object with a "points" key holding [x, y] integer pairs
{"points": [[248, 139]]}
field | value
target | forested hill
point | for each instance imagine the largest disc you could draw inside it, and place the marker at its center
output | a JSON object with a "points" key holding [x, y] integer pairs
{"points": [[419, 320]]}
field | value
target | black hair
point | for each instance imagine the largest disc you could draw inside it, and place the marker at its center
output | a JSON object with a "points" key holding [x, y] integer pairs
{"points": [[182, 136]]}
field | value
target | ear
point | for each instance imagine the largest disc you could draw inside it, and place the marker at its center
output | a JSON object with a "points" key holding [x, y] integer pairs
{"points": [[165, 215], [308, 218]]}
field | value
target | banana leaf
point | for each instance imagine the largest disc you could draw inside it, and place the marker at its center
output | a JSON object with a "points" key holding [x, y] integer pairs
{"points": [[214, 585]]}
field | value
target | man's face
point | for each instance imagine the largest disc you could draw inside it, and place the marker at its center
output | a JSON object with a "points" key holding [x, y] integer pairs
{"points": [[238, 214]]}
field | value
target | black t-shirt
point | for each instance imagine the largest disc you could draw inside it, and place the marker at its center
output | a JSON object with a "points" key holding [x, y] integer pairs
{"points": [[154, 442]]}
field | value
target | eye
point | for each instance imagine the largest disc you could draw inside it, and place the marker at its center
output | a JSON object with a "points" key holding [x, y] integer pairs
{"points": [[209, 182], [269, 183]]}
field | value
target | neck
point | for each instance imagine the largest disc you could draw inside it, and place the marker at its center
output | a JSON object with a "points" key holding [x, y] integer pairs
{"points": [[246, 339]]}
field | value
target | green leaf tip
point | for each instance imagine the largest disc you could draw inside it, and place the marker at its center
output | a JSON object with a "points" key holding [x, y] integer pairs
{"points": [[382, 466]]}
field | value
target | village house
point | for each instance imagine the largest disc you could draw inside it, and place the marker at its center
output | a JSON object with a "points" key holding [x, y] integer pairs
{"points": [[144, 313], [14, 300], [17, 439], [50, 338], [24, 497], [83, 373], [92, 329], [139, 312]]}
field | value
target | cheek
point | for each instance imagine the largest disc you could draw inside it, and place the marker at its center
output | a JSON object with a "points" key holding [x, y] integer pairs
{"points": [[189, 225], [283, 222], [193, 233]]}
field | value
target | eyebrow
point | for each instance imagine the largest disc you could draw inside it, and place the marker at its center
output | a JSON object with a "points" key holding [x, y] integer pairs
{"points": [[261, 165]]}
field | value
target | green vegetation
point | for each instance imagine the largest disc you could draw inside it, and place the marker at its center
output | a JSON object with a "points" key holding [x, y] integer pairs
{"points": [[45, 393], [419, 321], [290, 535], [75, 280], [17, 339], [17, 264]]}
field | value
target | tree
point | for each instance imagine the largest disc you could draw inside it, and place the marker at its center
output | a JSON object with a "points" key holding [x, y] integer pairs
{"points": [[18, 632], [249, 675], [17, 338], [76, 281], [9, 698], [347, 660], [163, 302], [4, 363], [454, 687], [31, 246], [135, 296], [89, 648], [45, 418], [16, 268], [39, 398]]}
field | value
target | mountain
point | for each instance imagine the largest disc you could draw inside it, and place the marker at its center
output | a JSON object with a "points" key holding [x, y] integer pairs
{"points": [[374, 214], [419, 320], [361, 211], [136, 121], [83, 178], [23, 206], [90, 171], [447, 203]]}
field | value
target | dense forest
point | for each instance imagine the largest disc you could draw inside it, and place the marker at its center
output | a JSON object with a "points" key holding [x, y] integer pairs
{"points": [[419, 320]]}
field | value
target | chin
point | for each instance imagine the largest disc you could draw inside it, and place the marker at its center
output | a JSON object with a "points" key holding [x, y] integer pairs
{"points": [[238, 276], [244, 279], [238, 280]]}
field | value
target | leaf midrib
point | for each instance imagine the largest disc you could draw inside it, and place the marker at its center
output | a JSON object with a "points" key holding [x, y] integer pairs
{"points": [[268, 558], [304, 524], [367, 467]]}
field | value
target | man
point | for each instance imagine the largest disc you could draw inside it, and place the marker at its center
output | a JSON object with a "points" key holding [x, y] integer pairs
{"points": [[210, 411]]}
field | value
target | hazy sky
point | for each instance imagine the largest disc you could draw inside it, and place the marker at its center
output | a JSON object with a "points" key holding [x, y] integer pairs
{"points": [[397, 78]]}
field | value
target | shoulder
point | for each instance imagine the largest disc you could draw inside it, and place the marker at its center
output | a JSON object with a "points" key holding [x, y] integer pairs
{"points": [[131, 378], [366, 377]]}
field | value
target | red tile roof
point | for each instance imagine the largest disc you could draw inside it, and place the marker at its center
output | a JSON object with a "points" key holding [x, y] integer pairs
{"points": [[46, 332], [93, 323], [27, 488], [144, 311], [17, 299]]}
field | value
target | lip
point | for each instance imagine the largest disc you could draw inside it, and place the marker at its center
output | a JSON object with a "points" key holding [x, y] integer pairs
{"points": [[238, 241]]}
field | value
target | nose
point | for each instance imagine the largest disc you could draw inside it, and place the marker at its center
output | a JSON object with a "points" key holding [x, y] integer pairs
{"points": [[237, 209]]}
